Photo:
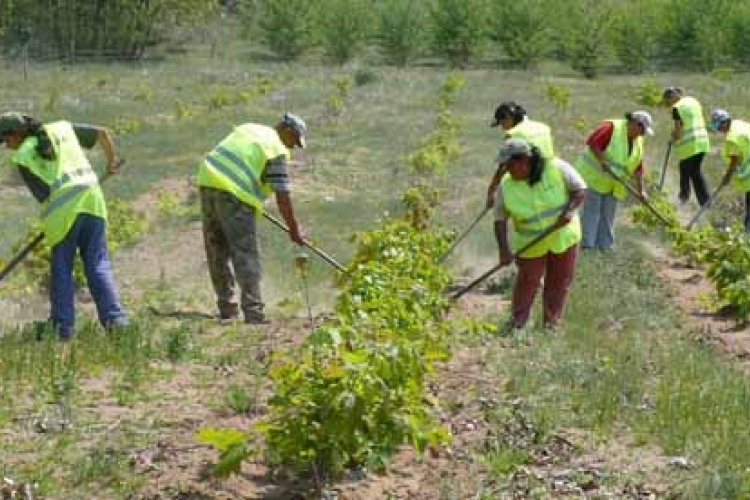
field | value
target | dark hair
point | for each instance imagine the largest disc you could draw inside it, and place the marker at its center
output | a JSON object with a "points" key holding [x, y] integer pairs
{"points": [[536, 164], [510, 109], [33, 127]]}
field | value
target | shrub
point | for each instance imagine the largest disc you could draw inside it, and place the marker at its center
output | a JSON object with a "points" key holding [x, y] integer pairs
{"points": [[649, 93], [635, 38], [286, 26], [343, 26], [458, 29], [400, 30], [585, 35], [527, 38]]}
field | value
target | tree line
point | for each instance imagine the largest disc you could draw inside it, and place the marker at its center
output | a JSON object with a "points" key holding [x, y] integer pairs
{"points": [[83, 28], [589, 35]]}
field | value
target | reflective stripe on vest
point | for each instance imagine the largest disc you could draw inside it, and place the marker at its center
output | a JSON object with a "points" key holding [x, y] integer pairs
{"points": [[694, 136], [83, 175], [62, 197], [250, 183]]}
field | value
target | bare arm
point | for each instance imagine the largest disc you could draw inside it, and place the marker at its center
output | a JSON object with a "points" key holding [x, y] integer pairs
{"points": [[284, 202], [492, 189], [734, 162], [104, 139], [501, 236]]}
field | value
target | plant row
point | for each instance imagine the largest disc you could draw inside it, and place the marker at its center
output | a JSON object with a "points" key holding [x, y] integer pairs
{"points": [[724, 252], [355, 390]]}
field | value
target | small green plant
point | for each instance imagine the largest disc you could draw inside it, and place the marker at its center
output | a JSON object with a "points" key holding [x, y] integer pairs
{"points": [[238, 398], [336, 101], [233, 447], [649, 93], [123, 125], [559, 95], [365, 76], [184, 110]]}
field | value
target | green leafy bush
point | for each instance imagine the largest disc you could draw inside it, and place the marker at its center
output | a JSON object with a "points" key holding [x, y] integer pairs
{"points": [[527, 39], [458, 29], [649, 93], [344, 25], [286, 26], [400, 30]]}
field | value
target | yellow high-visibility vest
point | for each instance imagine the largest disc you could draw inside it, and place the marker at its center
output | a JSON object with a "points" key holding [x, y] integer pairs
{"points": [[236, 165], [694, 137], [621, 161], [738, 140], [73, 184], [535, 208], [535, 133]]}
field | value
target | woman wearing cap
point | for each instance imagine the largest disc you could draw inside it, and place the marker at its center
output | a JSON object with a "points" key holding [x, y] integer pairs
{"points": [[53, 165], [615, 146], [512, 119], [538, 194], [234, 180], [736, 153], [690, 140]]}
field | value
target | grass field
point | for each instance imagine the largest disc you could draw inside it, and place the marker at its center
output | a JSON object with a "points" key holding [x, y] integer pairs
{"points": [[602, 410]]}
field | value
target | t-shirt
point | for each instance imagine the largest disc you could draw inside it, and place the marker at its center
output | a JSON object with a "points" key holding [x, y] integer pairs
{"points": [[571, 177], [276, 174], [87, 136], [600, 138]]}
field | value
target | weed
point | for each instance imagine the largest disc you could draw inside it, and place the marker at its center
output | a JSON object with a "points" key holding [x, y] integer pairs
{"points": [[649, 93], [239, 399]]}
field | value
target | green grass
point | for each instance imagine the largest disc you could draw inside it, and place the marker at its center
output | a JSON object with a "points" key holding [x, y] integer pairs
{"points": [[628, 365]]}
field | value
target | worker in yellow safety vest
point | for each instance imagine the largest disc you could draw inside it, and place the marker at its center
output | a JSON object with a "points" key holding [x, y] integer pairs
{"points": [[537, 194], [52, 163], [234, 180], [736, 153], [615, 145], [511, 118], [690, 142]]}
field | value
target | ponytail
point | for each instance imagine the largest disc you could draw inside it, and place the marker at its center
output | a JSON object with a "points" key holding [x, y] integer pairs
{"points": [[536, 166], [33, 127]]}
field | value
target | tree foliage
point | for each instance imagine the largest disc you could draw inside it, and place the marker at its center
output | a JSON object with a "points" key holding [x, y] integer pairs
{"points": [[523, 29], [72, 28], [458, 29], [400, 28], [344, 25], [286, 25]]}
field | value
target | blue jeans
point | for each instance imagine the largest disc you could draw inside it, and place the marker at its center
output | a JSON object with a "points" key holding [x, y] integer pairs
{"points": [[598, 220], [88, 235]]}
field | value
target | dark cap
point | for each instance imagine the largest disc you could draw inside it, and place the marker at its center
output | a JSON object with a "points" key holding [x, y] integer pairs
{"points": [[669, 93], [297, 125], [514, 146], [12, 121], [508, 109]]}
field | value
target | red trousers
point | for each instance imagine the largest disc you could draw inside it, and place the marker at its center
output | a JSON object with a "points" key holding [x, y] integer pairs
{"points": [[558, 271]]}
